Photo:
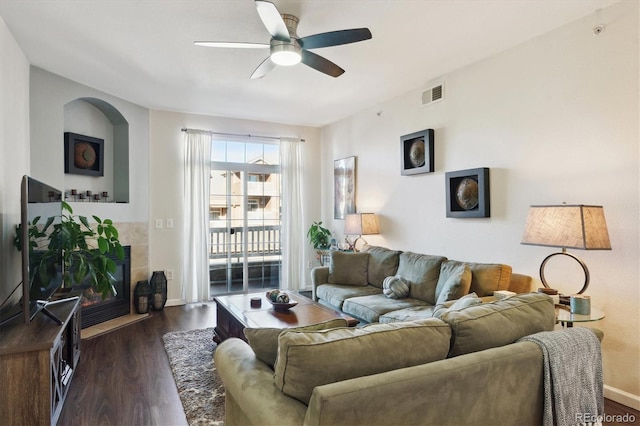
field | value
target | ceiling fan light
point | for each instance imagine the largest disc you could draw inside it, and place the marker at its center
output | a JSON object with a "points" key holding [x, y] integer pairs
{"points": [[285, 54]]}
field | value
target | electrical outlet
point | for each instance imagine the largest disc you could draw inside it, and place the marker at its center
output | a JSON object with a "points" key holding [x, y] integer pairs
{"points": [[158, 223], [169, 223], [169, 274], [310, 265]]}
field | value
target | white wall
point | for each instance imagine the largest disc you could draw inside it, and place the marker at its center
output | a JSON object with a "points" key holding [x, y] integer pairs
{"points": [[49, 95], [166, 175], [14, 152], [556, 119]]}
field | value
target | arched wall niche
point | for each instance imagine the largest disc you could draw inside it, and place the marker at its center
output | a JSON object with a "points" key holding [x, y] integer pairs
{"points": [[99, 119]]}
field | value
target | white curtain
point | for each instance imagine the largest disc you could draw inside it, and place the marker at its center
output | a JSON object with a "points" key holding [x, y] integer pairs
{"points": [[197, 171], [292, 214]]}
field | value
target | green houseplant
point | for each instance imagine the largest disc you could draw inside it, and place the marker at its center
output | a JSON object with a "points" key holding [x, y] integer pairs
{"points": [[86, 250], [319, 236]]}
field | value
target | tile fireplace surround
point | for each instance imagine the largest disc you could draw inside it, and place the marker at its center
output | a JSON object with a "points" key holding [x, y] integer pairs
{"points": [[135, 235]]}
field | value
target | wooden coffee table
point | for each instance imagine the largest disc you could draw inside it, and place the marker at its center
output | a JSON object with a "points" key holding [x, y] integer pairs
{"points": [[234, 313]]}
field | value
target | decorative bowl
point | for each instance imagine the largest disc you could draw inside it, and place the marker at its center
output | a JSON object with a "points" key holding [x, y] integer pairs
{"points": [[283, 306]]}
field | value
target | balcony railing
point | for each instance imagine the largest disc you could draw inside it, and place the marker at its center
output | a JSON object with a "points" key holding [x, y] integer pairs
{"points": [[228, 242]]}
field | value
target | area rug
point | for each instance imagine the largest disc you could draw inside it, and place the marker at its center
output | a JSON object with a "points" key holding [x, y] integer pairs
{"points": [[199, 386]]}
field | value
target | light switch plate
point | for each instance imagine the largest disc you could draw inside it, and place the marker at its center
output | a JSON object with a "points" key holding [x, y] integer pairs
{"points": [[158, 223]]}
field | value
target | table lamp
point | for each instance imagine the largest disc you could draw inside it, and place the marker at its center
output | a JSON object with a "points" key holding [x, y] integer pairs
{"points": [[360, 224], [567, 226]]}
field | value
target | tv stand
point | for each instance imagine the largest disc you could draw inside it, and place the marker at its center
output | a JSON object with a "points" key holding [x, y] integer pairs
{"points": [[38, 362], [43, 307]]}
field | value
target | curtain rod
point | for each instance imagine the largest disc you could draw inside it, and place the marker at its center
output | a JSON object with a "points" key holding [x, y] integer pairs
{"points": [[184, 129]]}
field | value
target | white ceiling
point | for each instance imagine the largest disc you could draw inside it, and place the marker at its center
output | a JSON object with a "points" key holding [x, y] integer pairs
{"points": [[142, 50]]}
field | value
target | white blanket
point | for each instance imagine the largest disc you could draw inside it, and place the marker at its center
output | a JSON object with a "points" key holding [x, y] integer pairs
{"points": [[573, 388]]}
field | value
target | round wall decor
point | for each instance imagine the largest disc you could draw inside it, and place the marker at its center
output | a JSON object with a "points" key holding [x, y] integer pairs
{"points": [[467, 193], [85, 155]]}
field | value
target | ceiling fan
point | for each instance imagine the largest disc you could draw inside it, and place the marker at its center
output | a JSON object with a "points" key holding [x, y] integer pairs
{"points": [[287, 48]]}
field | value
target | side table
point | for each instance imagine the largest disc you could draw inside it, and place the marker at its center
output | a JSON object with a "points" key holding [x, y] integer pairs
{"points": [[566, 318]]}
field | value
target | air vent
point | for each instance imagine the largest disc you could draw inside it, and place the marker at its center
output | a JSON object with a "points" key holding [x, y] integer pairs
{"points": [[433, 94]]}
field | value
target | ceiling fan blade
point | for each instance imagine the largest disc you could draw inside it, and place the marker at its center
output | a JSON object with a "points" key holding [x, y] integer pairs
{"points": [[335, 38], [272, 20], [232, 44], [321, 64], [266, 66]]}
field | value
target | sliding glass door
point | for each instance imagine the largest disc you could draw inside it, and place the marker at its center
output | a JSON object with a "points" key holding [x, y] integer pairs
{"points": [[245, 211]]}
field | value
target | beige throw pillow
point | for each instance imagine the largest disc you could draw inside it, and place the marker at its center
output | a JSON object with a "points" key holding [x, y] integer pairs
{"points": [[310, 359], [264, 341], [348, 268]]}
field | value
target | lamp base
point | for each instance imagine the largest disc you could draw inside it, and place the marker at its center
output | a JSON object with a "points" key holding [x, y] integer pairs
{"points": [[352, 244], [565, 301]]}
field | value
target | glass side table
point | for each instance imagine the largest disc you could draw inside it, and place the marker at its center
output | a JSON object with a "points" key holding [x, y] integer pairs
{"points": [[566, 318]]}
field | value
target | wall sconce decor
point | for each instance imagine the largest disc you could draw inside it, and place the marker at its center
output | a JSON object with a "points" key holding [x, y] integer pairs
{"points": [[83, 155], [567, 226], [417, 152], [359, 224], [468, 193]]}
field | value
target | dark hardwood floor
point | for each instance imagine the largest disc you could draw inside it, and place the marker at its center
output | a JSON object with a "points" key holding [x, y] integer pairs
{"points": [[124, 377]]}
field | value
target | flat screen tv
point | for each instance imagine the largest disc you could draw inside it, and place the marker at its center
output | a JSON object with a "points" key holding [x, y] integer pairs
{"points": [[41, 211]]}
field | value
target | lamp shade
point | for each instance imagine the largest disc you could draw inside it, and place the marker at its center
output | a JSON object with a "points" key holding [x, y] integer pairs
{"points": [[361, 224], [567, 226]]}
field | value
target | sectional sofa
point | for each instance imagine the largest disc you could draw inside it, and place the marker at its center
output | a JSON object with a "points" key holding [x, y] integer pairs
{"points": [[467, 366], [417, 284]]}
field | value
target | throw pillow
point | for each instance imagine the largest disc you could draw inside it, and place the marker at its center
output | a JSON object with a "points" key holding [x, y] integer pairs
{"points": [[465, 301], [310, 359], [382, 263], [395, 287], [264, 341], [348, 268], [454, 281]]}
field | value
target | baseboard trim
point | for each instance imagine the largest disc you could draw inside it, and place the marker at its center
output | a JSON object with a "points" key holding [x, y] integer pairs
{"points": [[622, 397]]}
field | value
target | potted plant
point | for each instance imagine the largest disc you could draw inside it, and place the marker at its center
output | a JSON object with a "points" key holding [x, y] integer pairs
{"points": [[86, 250], [319, 236]]}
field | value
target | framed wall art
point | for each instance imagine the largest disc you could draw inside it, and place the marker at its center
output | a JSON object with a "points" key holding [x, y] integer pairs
{"points": [[344, 184], [417, 152], [468, 193], [83, 155]]}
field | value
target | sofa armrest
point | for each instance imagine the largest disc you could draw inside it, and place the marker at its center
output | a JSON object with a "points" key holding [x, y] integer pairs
{"points": [[252, 397], [319, 275], [520, 283]]}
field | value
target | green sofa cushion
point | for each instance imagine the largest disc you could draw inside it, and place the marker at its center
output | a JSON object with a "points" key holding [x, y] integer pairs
{"points": [[336, 294], [382, 263], [421, 272], [348, 268], [499, 323], [413, 313], [369, 308], [264, 341], [310, 359], [454, 281]]}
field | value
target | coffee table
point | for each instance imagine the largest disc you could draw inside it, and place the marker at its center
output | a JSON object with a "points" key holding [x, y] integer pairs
{"points": [[234, 313]]}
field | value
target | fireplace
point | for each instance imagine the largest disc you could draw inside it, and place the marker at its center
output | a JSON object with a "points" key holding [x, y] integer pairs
{"points": [[96, 310]]}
